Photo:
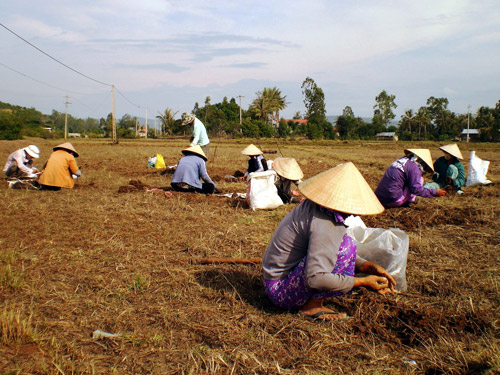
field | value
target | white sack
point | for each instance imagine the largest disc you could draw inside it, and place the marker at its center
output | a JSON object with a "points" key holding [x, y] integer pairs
{"points": [[386, 247], [477, 171], [261, 191]]}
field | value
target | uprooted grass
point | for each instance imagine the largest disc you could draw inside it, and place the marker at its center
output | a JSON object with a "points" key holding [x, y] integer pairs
{"points": [[94, 258]]}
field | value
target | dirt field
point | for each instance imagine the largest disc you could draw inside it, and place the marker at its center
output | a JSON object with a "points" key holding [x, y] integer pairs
{"points": [[75, 261]]}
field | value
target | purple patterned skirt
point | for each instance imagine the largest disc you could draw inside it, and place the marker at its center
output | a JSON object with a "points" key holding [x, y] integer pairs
{"points": [[292, 291]]}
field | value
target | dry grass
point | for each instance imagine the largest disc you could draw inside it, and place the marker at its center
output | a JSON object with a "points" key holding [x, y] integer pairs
{"points": [[91, 258]]}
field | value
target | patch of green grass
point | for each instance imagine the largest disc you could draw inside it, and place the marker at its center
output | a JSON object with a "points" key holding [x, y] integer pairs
{"points": [[140, 284]]}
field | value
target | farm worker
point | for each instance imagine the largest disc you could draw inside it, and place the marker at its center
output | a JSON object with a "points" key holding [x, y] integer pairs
{"points": [[198, 132], [288, 171], [311, 257], [403, 182], [20, 162], [256, 161], [190, 169], [449, 171], [61, 170]]}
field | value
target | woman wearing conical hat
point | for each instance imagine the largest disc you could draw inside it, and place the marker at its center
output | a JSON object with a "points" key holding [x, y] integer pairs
{"points": [[191, 170], [61, 170], [311, 257], [403, 182], [448, 170], [288, 171], [256, 161]]}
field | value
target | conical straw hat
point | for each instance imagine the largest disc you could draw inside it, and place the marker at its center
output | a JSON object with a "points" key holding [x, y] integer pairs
{"points": [[195, 150], [251, 150], [343, 189], [288, 168], [453, 150], [424, 154], [66, 146]]}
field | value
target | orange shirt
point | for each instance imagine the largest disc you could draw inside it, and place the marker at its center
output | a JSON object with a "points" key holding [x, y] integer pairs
{"points": [[58, 170]]}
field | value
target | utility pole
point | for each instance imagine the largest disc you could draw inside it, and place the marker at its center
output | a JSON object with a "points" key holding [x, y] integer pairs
{"points": [[239, 96], [66, 119], [468, 122], [156, 133], [113, 118], [146, 122], [136, 126]]}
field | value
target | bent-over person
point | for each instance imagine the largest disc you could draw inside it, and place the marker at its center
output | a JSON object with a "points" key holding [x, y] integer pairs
{"points": [[190, 170], [311, 257]]}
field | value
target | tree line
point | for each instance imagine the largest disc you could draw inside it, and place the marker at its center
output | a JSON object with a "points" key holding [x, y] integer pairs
{"points": [[433, 121]]}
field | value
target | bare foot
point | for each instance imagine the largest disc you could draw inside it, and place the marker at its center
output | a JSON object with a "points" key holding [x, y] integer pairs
{"points": [[315, 309]]}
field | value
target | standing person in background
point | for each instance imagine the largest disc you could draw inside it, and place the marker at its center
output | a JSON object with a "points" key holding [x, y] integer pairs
{"points": [[190, 170], [61, 169], [257, 162], [198, 132], [449, 171], [288, 171], [20, 163], [403, 182]]}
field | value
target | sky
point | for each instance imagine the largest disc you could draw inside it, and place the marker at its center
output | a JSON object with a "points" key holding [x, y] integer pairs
{"points": [[162, 54]]}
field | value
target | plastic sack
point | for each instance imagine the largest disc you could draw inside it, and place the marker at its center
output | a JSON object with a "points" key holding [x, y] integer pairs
{"points": [[477, 171], [261, 191], [160, 163], [386, 247], [151, 162]]}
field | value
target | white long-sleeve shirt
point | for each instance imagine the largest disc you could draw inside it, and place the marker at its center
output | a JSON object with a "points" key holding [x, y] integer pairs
{"points": [[20, 158]]}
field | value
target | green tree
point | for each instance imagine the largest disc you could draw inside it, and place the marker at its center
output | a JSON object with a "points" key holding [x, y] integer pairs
{"points": [[383, 113], [126, 127], [283, 129], [314, 100], [346, 123], [9, 128], [167, 119], [406, 125]]}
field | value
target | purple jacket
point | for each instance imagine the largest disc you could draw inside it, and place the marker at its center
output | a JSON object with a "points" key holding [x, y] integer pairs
{"points": [[402, 175]]}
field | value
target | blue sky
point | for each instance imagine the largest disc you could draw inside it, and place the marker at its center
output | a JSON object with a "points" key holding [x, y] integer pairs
{"points": [[161, 53]]}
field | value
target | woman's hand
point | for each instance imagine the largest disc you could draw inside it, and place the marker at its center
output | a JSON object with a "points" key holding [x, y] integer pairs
{"points": [[370, 268], [378, 284]]}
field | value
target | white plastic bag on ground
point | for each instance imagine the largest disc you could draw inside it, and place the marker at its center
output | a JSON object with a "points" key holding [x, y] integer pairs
{"points": [[477, 171], [386, 247], [261, 191]]}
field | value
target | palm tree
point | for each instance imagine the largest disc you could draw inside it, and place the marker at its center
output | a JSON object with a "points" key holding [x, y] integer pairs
{"points": [[406, 121], [260, 106], [276, 102], [167, 120], [268, 104]]}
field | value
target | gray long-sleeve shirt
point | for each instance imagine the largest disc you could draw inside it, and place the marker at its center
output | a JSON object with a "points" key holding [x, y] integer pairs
{"points": [[306, 230], [189, 171]]}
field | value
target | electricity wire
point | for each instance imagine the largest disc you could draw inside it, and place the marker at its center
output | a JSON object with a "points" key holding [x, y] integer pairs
{"points": [[43, 83], [63, 64], [53, 58]]}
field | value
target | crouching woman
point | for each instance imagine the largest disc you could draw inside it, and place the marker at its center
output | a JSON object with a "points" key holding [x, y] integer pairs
{"points": [[190, 170], [311, 257], [61, 169]]}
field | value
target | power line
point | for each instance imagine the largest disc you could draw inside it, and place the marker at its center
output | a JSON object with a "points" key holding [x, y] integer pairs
{"points": [[53, 58], [124, 97], [43, 83]]}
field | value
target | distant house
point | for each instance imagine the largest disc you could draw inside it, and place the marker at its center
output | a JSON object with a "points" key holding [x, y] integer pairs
{"points": [[142, 131], [387, 136], [48, 129], [473, 135], [297, 120]]}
